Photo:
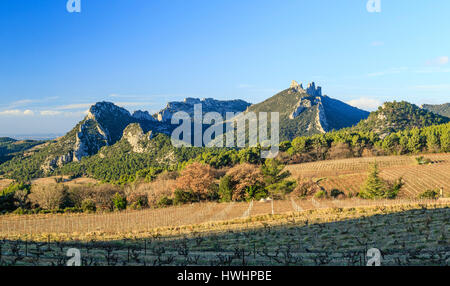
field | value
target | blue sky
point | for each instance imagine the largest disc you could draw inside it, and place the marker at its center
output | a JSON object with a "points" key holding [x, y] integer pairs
{"points": [[141, 54]]}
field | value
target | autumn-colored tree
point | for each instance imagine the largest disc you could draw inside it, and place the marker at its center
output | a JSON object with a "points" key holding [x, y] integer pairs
{"points": [[245, 177], [197, 178]]}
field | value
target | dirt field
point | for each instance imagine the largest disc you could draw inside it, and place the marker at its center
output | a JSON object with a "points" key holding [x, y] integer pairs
{"points": [[414, 234], [174, 217], [348, 175]]}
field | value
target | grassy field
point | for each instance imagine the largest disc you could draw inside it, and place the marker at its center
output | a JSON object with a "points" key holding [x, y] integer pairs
{"points": [[414, 234]]}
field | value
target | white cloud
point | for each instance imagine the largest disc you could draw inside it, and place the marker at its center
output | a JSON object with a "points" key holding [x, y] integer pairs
{"points": [[11, 112], [16, 112], [22, 102], [365, 103], [439, 61]]}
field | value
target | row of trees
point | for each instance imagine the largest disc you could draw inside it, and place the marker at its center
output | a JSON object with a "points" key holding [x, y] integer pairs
{"points": [[243, 182], [350, 143], [22, 198]]}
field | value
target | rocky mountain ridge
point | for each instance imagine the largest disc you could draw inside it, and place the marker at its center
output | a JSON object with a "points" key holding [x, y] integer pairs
{"points": [[208, 105], [107, 123], [307, 111]]}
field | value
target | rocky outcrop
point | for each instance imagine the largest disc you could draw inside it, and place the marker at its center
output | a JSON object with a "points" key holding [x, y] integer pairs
{"points": [[296, 87], [136, 138], [90, 138], [143, 115], [311, 89], [52, 163], [305, 103], [208, 105], [301, 106], [111, 119], [321, 118]]}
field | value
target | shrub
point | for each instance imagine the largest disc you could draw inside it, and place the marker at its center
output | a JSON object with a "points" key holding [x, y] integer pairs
{"points": [[137, 200], [305, 187], [184, 197], [322, 194], [335, 193], [19, 211], [103, 196], [284, 146], [88, 206], [119, 201], [256, 193], [155, 190], [430, 194], [72, 210], [14, 196], [421, 160], [225, 189], [394, 188], [280, 189], [164, 202]]}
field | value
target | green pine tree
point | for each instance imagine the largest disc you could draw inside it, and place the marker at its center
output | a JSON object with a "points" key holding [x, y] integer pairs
{"points": [[374, 187]]}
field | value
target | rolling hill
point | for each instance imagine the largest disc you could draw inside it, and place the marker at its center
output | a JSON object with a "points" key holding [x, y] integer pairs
{"points": [[441, 109], [9, 147], [396, 116]]}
